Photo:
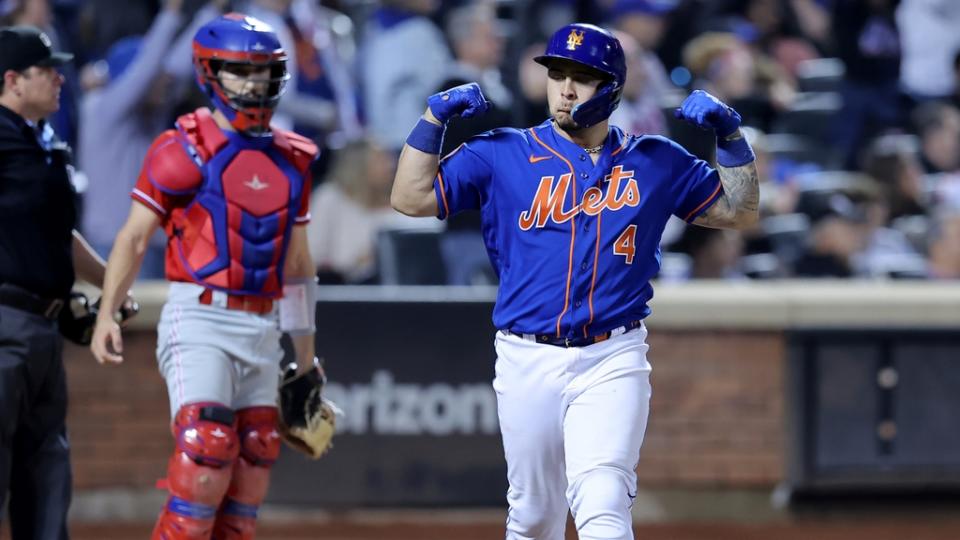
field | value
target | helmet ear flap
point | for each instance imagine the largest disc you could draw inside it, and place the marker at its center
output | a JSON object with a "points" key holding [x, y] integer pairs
{"points": [[600, 106]]}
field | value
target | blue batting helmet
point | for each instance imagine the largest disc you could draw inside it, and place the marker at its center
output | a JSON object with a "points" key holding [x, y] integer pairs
{"points": [[595, 48], [236, 40]]}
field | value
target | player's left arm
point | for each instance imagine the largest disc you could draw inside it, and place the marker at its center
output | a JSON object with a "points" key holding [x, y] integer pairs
{"points": [[738, 205], [298, 268], [87, 264]]}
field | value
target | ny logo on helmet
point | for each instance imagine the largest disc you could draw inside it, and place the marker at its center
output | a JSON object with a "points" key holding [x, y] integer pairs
{"points": [[574, 40]]}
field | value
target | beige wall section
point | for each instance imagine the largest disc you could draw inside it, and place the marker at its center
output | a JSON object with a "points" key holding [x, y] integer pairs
{"points": [[797, 304], [709, 304], [718, 412]]}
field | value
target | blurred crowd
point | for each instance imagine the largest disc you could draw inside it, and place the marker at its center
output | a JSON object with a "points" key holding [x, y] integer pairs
{"points": [[853, 108]]}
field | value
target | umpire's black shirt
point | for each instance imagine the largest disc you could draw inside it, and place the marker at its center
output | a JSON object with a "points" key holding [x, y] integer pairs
{"points": [[37, 212]]}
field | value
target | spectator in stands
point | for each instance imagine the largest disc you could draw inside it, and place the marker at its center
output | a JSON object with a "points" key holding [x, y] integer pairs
{"points": [[350, 209], [813, 19], [319, 97], [894, 161], [404, 58], [104, 22], [835, 240], [478, 48], [641, 107], [722, 64], [943, 253], [646, 21], [714, 253], [533, 86], [778, 191], [888, 251], [938, 125], [774, 29], [929, 36], [868, 43], [121, 115], [955, 98]]}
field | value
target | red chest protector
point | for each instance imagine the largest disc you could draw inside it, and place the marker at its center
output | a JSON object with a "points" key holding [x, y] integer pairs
{"points": [[233, 235]]}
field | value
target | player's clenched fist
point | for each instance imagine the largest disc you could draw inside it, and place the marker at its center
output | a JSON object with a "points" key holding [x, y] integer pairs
{"points": [[706, 111], [465, 100]]}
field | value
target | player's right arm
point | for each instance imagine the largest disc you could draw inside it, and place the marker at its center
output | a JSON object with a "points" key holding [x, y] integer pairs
{"points": [[413, 192], [168, 178], [122, 267]]}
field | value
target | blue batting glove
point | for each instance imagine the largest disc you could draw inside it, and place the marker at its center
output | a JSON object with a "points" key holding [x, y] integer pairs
{"points": [[704, 110], [465, 100]]}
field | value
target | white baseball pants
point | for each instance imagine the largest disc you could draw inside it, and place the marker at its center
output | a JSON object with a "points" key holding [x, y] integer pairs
{"points": [[572, 421]]}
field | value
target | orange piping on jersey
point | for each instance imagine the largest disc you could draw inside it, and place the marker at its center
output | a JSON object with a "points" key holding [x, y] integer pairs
{"points": [[697, 209], [573, 227], [452, 152], [626, 139], [443, 195], [593, 280]]}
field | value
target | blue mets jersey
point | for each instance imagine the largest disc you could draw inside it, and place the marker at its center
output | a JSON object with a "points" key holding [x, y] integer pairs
{"points": [[574, 243]]}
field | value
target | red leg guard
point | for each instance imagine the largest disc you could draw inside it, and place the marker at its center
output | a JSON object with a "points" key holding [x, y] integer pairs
{"points": [[198, 473], [259, 448]]}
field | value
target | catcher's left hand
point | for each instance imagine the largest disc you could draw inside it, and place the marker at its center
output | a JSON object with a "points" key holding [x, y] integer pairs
{"points": [[307, 421]]}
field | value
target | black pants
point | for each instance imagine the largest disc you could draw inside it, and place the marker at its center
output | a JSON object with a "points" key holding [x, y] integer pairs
{"points": [[34, 453]]}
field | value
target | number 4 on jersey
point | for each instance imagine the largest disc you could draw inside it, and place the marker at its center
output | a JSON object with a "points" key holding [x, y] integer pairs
{"points": [[626, 244]]}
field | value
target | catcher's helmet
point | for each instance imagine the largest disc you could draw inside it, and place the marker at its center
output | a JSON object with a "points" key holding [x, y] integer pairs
{"points": [[237, 39], [596, 48]]}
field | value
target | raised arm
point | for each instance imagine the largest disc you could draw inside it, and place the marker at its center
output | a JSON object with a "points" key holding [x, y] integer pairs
{"points": [[738, 205], [419, 162]]}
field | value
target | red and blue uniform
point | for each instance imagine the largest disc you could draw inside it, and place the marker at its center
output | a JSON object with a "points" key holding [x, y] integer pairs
{"points": [[227, 202]]}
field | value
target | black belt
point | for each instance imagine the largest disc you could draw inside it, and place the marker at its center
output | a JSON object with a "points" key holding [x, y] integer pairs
{"points": [[579, 341], [24, 300]]}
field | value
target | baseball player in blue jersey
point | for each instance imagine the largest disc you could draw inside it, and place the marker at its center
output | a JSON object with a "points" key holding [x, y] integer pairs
{"points": [[572, 213]]}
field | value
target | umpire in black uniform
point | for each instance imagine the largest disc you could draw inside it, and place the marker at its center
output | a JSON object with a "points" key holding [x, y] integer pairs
{"points": [[39, 254]]}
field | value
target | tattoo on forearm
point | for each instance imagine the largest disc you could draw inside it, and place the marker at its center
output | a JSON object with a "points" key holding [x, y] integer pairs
{"points": [[740, 200]]}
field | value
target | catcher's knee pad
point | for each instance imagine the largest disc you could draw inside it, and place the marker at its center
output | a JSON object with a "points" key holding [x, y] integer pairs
{"points": [[259, 448], [199, 471]]}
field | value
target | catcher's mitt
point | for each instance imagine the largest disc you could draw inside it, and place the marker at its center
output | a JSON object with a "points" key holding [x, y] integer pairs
{"points": [[307, 421]]}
